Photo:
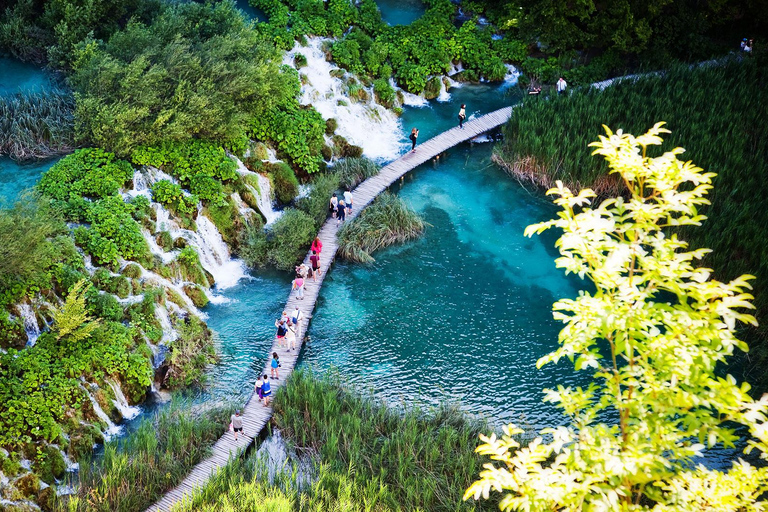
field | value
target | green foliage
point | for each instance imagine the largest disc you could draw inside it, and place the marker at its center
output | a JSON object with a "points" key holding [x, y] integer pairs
{"points": [[154, 458], [652, 334], [196, 294], [171, 195], [296, 131], [353, 171], [315, 203], [227, 219], [198, 70], [188, 160], [726, 136], [71, 321], [92, 173], [50, 464], [330, 126], [284, 181], [385, 93], [36, 125], [191, 353], [387, 221], [283, 245]]}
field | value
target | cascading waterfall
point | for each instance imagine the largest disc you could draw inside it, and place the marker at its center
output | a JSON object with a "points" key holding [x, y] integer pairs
{"points": [[357, 120], [129, 412], [263, 195], [112, 429], [214, 254], [31, 326]]}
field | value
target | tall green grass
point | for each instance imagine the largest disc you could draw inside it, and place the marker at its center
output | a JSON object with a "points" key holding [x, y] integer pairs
{"points": [[368, 456], [353, 171], [134, 472], [716, 112], [386, 222], [37, 125]]}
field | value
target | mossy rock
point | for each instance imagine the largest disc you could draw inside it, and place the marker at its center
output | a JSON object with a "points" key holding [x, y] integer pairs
{"points": [[397, 111], [400, 96], [164, 240], [342, 103], [136, 287], [132, 271], [82, 440], [196, 294], [338, 73], [432, 89], [12, 332], [173, 296], [10, 465], [354, 151], [46, 499], [209, 278], [299, 60], [284, 181], [331, 125], [149, 224], [51, 466], [179, 243], [327, 152], [121, 286], [28, 485]]}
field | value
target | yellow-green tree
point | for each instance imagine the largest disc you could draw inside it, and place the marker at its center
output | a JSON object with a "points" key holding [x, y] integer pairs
{"points": [[653, 333]]}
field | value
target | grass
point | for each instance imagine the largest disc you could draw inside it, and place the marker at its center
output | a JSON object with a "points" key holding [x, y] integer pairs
{"points": [[353, 171], [134, 472], [715, 112], [367, 456], [387, 221], [37, 125]]}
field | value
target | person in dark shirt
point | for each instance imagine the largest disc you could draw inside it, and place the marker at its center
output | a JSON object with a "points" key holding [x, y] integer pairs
{"points": [[341, 215], [314, 260]]}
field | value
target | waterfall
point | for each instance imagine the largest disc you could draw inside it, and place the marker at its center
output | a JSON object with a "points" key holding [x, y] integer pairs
{"points": [[512, 75], [357, 120], [112, 429], [214, 254], [263, 195], [161, 281], [169, 333], [129, 412], [27, 314], [444, 94]]}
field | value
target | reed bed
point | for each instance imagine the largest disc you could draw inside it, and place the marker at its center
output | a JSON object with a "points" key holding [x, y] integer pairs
{"points": [[353, 171], [37, 125], [716, 112], [133, 472], [387, 221], [367, 456]]}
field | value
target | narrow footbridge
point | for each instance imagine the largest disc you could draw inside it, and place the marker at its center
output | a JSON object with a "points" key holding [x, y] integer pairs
{"points": [[255, 415]]}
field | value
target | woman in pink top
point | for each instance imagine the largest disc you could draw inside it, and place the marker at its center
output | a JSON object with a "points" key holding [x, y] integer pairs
{"points": [[317, 245], [298, 285]]}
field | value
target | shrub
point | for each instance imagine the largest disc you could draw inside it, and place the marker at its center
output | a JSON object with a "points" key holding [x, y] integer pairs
{"points": [[286, 186], [330, 126], [315, 203], [385, 93], [188, 160], [299, 60], [164, 240], [90, 172], [353, 171], [197, 294], [190, 354], [291, 236]]}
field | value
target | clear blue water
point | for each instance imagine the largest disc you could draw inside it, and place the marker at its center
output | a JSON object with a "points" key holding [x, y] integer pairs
{"points": [[16, 177], [250, 11], [17, 76], [401, 12]]}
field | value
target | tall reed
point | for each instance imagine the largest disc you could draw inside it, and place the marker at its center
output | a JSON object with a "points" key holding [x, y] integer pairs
{"points": [[716, 112], [37, 125], [386, 222], [353, 171], [132, 473]]}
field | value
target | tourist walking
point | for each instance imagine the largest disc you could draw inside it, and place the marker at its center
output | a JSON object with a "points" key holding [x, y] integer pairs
{"points": [[561, 85], [341, 214], [413, 136], [462, 115], [290, 336], [317, 245], [281, 330], [333, 206], [298, 285], [274, 366], [257, 388], [297, 316], [236, 423], [348, 200], [314, 261], [266, 390]]}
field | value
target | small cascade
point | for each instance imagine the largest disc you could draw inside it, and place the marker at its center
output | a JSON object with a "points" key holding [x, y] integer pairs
{"points": [[276, 458], [263, 195], [159, 280], [129, 412], [512, 76], [112, 429], [214, 254], [444, 94], [356, 119], [410, 99], [27, 314], [72, 466], [169, 333]]}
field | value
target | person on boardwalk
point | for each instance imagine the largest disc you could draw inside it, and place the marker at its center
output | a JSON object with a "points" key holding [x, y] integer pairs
{"points": [[274, 365], [290, 336], [462, 115], [333, 206], [266, 390], [317, 245], [314, 260], [237, 423], [561, 85], [341, 214], [281, 330], [298, 285], [413, 136], [348, 200], [257, 388], [296, 316]]}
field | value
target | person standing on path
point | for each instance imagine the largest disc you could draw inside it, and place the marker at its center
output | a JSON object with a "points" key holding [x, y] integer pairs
{"points": [[341, 214], [275, 364], [266, 390], [257, 388], [281, 330], [561, 85], [462, 115], [348, 200], [298, 285], [317, 245], [314, 260], [237, 423], [297, 316], [290, 336], [413, 136], [333, 205]]}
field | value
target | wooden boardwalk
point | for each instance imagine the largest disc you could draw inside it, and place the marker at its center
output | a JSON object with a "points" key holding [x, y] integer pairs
{"points": [[255, 415]]}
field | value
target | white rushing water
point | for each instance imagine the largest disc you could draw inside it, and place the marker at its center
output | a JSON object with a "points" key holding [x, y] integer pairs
{"points": [[214, 254], [263, 196], [356, 120], [31, 326], [112, 429], [275, 457], [128, 411]]}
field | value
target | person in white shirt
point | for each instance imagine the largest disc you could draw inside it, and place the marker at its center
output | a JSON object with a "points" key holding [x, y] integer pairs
{"points": [[348, 201], [561, 85]]}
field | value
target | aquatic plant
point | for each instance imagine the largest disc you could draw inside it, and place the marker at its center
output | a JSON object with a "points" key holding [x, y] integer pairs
{"points": [[387, 221], [652, 334], [353, 171], [37, 125]]}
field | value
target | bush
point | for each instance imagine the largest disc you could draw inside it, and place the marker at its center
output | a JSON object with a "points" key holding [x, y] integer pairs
{"points": [[353, 171], [286, 186], [197, 294], [385, 93], [291, 236], [189, 354], [330, 126], [315, 204], [299, 60], [164, 240], [92, 173]]}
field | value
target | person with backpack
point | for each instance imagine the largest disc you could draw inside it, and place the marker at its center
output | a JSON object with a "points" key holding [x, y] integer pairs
{"points": [[275, 364], [413, 136], [266, 390], [314, 261]]}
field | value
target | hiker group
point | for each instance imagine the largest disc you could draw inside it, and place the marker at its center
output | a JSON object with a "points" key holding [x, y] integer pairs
{"points": [[340, 208]]}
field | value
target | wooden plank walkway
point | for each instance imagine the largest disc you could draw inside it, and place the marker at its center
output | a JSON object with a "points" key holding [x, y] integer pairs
{"points": [[255, 415]]}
